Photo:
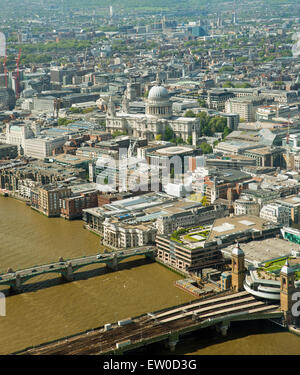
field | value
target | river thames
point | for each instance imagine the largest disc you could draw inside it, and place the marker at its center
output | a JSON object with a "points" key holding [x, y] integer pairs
{"points": [[51, 308]]}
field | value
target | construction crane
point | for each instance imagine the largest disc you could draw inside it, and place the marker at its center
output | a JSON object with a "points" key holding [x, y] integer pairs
{"points": [[3, 54], [288, 132]]}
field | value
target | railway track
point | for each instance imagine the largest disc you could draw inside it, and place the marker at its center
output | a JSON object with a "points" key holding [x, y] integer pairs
{"points": [[164, 322]]}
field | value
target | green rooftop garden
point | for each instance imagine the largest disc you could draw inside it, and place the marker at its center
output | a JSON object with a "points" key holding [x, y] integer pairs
{"points": [[274, 266], [197, 236], [194, 234]]}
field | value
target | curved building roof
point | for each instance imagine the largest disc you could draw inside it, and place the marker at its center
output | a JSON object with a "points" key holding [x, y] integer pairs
{"points": [[158, 93]]}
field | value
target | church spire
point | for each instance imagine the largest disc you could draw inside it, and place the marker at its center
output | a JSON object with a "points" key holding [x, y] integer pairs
{"points": [[111, 109], [125, 103]]}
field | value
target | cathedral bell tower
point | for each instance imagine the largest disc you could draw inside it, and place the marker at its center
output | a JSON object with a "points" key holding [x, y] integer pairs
{"points": [[237, 268]]}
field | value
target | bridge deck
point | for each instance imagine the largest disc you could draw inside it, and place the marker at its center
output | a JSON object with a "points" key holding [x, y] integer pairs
{"points": [[144, 330], [61, 266], [261, 309], [232, 309], [205, 302], [212, 307]]}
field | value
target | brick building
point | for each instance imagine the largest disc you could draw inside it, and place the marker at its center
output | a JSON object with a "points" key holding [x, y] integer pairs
{"points": [[46, 198], [71, 207]]}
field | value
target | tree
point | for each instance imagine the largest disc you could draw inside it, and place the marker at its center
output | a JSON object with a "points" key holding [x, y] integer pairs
{"points": [[179, 141], [209, 125], [226, 68], [204, 200], [202, 103], [190, 140], [117, 133], [228, 84], [158, 137], [226, 132], [75, 110], [244, 85], [189, 113], [62, 121], [206, 148], [177, 233], [241, 59], [169, 134]]}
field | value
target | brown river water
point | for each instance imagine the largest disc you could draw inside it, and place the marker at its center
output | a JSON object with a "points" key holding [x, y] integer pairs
{"points": [[50, 308]]}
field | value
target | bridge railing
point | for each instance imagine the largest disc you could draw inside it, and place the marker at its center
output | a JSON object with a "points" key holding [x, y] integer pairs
{"points": [[104, 255]]}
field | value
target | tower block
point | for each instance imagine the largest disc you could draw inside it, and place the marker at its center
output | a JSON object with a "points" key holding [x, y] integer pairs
{"points": [[237, 268]]}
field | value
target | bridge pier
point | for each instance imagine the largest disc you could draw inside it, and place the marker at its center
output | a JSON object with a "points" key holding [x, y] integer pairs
{"points": [[68, 273], [113, 265], [118, 352], [150, 256], [223, 328], [172, 342], [16, 286]]}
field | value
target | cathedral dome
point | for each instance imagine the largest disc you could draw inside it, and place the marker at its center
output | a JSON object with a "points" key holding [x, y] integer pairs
{"points": [[158, 103], [158, 93]]}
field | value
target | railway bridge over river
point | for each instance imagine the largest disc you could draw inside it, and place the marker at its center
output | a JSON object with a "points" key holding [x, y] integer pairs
{"points": [[168, 325]]}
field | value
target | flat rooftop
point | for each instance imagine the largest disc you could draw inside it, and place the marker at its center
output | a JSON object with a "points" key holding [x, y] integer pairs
{"points": [[70, 159], [229, 225], [263, 250], [292, 200], [81, 188], [263, 151], [176, 150], [132, 204], [6, 145]]}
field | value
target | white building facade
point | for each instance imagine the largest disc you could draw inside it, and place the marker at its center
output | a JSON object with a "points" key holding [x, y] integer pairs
{"points": [[155, 121], [246, 206], [275, 213]]}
